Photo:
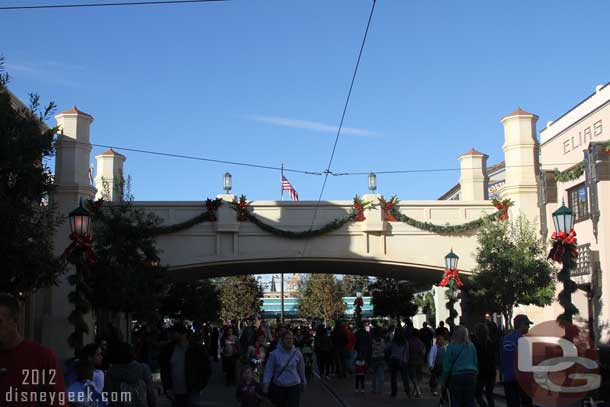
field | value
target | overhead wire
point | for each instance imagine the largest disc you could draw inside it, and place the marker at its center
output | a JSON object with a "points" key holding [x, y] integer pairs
{"points": [[114, 4], [327, 172]]}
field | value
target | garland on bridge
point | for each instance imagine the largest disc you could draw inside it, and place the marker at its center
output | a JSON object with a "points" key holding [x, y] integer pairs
{"points": [[356, 214], [392, 213], [208, 216]]}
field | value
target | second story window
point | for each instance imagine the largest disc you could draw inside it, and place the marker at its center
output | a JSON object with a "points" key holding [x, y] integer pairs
{"points": [[578, 200]]}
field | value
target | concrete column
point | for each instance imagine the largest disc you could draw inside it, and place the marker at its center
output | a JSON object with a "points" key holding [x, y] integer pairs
{"points": [[72, 183], [227, 228], [109, 178], [521, 160], [473, 178]]}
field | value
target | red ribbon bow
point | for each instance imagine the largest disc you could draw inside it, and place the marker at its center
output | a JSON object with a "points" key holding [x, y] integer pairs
{"points": [[359, 211], [387, 210], [81, 243], [563, 241], [451, 275]]}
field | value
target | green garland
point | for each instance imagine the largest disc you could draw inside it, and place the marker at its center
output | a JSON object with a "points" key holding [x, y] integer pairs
{"points": [[329, 227], [356, 214], [452, 229], [208, 216], [571, 174]]}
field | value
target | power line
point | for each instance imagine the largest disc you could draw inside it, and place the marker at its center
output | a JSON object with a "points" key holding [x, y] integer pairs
{"points": [[118, 4], [188, 157], [327, 172]]}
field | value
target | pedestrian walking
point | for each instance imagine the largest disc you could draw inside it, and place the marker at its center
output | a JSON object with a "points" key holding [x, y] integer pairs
{"points": [[377, 357], [360, 368], [486, 357], [127, 376], [185, 369], [93, 353], [18, 356], [339, 340], [284, 377], [417, 357], [249, 390], [230, 353], [398, 351], [515, 396], [460, 369], [323, 350], [83, 391], [435, 363]]}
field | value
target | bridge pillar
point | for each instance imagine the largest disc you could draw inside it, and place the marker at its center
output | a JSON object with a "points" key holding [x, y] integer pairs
{"points": [[72, 183], [521, 161], [227, 228], [374, 226], [473, 178]]}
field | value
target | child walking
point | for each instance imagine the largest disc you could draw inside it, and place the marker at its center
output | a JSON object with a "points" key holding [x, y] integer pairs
{"points": [[360, 372], [249, 390]]}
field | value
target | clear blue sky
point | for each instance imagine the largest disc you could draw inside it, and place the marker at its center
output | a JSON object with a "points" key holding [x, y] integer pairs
{"points": [[264, 81]]}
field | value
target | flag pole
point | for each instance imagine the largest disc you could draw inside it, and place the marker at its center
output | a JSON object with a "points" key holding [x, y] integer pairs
{"points": [[282, 274]]}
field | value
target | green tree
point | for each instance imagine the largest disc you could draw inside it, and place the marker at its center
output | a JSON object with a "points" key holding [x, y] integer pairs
{"points": [[392, 298], [322, 297], [195, 301], [240, 298], [512, 268], [351, 285], [425, 301], [27, 218], [127, 276]]}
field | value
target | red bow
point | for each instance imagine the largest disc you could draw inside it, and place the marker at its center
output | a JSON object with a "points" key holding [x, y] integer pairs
{"points": [[451, 275], [358, 302], [387, 210], [81, 243], [561, 242], [359, 211]]}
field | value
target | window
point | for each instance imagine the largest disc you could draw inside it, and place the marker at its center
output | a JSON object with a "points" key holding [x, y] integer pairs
{"points": [[578, 200]]}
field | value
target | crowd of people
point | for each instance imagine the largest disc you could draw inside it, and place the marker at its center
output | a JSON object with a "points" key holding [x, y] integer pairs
{"points": [[260, 362]]}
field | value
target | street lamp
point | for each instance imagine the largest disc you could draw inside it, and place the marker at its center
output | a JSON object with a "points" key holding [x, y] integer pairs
{"points": [[372, 182], [451, 261], [564, 251], [452, 282], [228, 182], [563, 218], [78, 252], [80, 221]]}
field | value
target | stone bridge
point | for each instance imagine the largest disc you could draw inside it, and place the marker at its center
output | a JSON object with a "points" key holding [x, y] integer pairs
{"points": [[370, 247]]}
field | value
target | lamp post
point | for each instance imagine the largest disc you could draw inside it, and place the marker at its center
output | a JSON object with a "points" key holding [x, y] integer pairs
{"points": [[564, 251], [452, 282], [227, 182], [77, 253], [372, 182]]}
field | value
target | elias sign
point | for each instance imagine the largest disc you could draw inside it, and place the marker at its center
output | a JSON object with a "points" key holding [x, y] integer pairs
{"points": [[584, 136]]}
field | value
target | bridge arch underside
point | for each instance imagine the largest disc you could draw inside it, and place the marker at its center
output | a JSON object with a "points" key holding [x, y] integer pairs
{"points": [[423, 276]]}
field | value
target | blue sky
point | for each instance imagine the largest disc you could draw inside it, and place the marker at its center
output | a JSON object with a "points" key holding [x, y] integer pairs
{"points": [[264, 82]]}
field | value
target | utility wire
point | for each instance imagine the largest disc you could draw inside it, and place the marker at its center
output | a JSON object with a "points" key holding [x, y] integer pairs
{"points": [[118, 4], [327, 172], [189, 157]]}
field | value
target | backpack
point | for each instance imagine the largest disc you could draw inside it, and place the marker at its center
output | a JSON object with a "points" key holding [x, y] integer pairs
{"points": [[136, 392], [377, 349]]}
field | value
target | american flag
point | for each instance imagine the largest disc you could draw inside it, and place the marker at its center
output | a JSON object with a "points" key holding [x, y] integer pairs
{"points": [[287, 186]]}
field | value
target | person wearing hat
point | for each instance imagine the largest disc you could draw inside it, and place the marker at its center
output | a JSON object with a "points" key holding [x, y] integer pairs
{"points": [[185, 369], [515, 396]]}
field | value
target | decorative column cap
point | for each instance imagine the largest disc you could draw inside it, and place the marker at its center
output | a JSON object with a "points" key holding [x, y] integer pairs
{"points": [[519, 112], [111, 152], [74, 111], [472, 151]]}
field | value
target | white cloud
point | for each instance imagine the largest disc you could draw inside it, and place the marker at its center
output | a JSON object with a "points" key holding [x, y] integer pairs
{"points": [[315, 126]]}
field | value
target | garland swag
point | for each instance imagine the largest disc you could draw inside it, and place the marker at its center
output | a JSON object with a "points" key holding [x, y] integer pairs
{"points": [[208, 216], [356, 214], [571, 174], [501, 214]]}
